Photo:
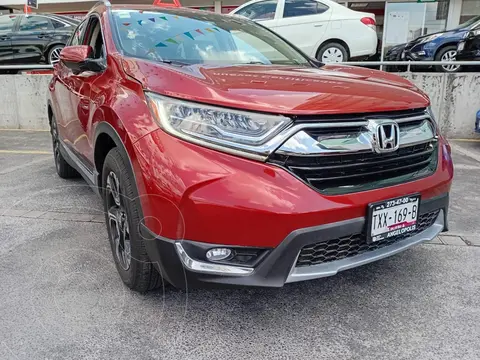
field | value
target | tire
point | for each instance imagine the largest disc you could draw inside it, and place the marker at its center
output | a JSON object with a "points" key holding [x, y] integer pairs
{"points": [[444, 55], [54, 54], [122, 217], [332, 52], [64, 170]]}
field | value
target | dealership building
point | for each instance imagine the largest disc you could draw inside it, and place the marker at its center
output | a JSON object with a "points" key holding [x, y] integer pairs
{"points": [[397, 21]]}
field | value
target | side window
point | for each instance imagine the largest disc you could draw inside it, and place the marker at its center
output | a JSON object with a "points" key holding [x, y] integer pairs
{"points": [[35, 23], [303, 7], [6, 23], [262, 10], [58, 24], [77, 36], [94, 38]]}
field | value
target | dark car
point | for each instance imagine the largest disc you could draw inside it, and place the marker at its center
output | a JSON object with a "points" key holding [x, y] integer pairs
{"points": [[441, 46], [395, 54], [35, 38], [469, 48]]}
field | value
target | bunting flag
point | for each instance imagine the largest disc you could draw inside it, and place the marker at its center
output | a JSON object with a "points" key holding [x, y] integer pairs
{"points": [[176, 17], [163, 18], [160, 44], [140, 22], [140, 11], [151, 19], [216, 29], [178, 38], [209, 30], [199, 31], [189, 35], [126, 24], [170, 40]]}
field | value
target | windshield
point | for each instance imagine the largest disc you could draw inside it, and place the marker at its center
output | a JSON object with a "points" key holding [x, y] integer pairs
{"points": [[196, 37]]}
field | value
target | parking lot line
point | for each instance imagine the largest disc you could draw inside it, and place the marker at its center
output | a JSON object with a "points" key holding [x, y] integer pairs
{"points": [[25, 152]]}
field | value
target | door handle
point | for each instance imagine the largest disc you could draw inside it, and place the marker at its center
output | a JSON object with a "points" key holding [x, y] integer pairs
{"points": [[4, 37], [318, 25], [43, 35]]}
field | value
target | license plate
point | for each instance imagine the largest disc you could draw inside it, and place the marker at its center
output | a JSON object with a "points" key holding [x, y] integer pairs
{"points": [[392, 217], [461, 46]]}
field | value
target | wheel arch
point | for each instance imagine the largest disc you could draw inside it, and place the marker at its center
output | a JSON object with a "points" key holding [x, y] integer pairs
{"points": [[106, 138], [443, 46], [333, 40]]}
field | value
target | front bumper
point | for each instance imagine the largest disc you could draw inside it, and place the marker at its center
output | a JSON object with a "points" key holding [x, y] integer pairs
{"points": [[179, 264], [418, 52]]}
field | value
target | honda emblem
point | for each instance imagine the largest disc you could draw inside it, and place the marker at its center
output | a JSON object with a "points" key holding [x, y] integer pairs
{"points": [[385, 135]]}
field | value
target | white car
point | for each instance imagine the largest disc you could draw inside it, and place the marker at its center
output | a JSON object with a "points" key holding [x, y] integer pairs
{"points": [[322, 29]]}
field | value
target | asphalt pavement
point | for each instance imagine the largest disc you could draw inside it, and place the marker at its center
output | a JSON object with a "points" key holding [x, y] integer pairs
{"points": [[61, 297]]}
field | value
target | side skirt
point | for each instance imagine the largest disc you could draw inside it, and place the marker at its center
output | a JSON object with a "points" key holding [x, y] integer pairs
{"points": [[74, 161]]}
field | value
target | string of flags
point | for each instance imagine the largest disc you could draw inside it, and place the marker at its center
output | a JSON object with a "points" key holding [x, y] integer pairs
{"points": [[177, 38]]}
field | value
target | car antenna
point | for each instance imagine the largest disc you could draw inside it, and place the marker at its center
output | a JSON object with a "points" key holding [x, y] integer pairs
{"points": [[175, 4]]}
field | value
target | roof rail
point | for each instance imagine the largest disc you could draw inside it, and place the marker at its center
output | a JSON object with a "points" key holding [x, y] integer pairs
{"points": [[175, 4]]}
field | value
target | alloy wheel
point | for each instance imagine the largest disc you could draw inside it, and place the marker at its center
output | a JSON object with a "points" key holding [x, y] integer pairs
{"points": [[118, 222], [332, 55], [55, 55], [450, 56]]}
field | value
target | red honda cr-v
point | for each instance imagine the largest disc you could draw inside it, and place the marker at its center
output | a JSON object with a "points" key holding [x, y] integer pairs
{"points": [[224, 155]]}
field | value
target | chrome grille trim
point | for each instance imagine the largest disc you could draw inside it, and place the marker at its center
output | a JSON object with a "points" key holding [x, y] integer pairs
{"points": [[359, 139], [342, 156]]}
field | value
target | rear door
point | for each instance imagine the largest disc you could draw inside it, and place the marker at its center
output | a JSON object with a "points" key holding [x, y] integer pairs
{"points": [[7, 23], [30, 41], [303, 22]]}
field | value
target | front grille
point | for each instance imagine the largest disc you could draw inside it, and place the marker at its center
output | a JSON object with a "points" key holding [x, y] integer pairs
{"points": [[336, 174], [355, 244], [341, 173]]}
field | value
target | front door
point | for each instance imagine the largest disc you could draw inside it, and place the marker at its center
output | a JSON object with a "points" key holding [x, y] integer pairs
{"points": [[81, 93], [31, 40], [7, 23]]}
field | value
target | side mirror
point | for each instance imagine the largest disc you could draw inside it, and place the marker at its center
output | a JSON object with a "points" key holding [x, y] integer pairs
{"points": [[78, 58]]}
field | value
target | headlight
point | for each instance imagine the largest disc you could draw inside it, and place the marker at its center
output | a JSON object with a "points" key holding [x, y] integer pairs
{"points": [[240, 132], [475, 32], [433, 117], [430, 38]]}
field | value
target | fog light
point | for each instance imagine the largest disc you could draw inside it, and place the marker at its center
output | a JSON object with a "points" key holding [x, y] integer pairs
{"points": [[218, 254]]}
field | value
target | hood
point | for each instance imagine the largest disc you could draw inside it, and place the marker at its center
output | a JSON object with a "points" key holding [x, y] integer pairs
{"points": [[445, 33], [281, 89]]}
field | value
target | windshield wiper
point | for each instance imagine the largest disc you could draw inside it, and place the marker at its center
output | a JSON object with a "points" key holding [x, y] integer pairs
{"points": [[174, 62], [254, 63]]}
